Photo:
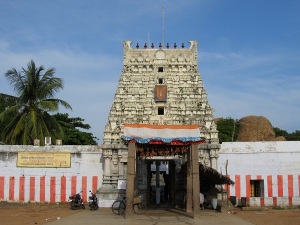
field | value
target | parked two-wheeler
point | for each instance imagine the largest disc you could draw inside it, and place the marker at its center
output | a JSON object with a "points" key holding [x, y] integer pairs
{"points": [[76, 202], [93, 201]]}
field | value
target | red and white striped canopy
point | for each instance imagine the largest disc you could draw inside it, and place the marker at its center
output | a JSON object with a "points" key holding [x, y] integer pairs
{"points": [[144, 133]]}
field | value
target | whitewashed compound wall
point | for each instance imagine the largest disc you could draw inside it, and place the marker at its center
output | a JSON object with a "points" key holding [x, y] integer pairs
{"points": [[20, 184], [276, 164]]}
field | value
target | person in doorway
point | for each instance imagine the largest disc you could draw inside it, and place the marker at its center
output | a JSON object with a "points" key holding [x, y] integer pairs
{"points": [[157, 194], [213, 193], [201, 201]]}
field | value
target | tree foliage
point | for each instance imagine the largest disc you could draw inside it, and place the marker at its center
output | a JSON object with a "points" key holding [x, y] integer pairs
{"points": [[228, 129], [31, 107], [72, 133], [5, 104], [294, 136], [280, 132]]}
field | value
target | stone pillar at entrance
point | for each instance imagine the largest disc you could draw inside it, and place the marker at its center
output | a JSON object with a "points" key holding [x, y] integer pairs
{"points": [[196, 182], [131, 174], [157, 184], [193, 184], [189, 183]]}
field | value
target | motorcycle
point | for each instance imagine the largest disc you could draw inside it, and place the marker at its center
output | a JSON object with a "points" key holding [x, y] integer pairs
{"points": [[76, 202], [93, 201]]}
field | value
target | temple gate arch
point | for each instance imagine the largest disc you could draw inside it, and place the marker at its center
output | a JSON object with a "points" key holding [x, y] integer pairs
{"points": [[147, 141]]}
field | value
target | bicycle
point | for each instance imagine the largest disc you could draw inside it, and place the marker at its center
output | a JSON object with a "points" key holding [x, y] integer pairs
{"points": [[119, 206]]}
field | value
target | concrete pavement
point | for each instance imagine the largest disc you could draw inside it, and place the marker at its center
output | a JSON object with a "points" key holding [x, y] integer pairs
{"points": [[104, 216]]}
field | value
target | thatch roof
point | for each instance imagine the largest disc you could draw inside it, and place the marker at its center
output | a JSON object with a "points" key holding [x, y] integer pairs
{"points": [[212, 176], [208, 176]]}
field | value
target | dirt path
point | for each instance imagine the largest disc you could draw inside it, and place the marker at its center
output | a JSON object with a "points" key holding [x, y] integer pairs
{"points": [[271, 216], [23, 214], [31, 214]]}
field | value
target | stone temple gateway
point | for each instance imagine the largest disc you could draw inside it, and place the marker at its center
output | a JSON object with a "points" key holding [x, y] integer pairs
{"points": [[158, 87]]}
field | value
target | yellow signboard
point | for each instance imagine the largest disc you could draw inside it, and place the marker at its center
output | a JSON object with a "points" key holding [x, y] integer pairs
{"points": [[44, 159]]}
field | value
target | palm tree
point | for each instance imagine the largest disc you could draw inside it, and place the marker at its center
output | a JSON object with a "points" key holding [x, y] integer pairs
{"points": [[33, 105]]}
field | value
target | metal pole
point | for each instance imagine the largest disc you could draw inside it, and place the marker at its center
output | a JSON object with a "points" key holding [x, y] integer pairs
{"points": [[226, 184]]}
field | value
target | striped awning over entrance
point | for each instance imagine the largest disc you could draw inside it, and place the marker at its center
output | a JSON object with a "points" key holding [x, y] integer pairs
{"points": [[158, 134]]}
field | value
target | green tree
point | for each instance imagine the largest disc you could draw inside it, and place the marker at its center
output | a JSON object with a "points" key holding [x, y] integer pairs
{"points": [[280, 132], [73, 134], [295, 136], [228, 129], [4, 104], [32, 106]]}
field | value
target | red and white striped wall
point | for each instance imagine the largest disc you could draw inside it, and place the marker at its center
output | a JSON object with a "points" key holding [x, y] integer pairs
{"points": [[279, 190], [277, 164], [32, 184], [46, 188]]}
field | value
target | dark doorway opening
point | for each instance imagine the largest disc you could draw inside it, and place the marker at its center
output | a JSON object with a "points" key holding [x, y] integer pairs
{"points": [[161, 183]]}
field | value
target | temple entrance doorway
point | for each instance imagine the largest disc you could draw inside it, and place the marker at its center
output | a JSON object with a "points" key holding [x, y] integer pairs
{"points": [[161, 183], [166, 187], [148, 145]]}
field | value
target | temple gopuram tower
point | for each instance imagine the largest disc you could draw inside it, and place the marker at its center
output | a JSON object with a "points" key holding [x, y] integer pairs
{"points": [[158, 86]]}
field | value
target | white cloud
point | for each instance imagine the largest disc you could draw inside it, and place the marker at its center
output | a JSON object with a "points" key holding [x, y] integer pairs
{"points": [[241, 84]]}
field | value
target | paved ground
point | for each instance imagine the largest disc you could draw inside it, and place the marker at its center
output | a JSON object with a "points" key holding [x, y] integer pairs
{"points": [[151, 217]]}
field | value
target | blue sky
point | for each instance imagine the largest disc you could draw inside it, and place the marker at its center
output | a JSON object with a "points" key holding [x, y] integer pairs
{"points": [[249, 51]]}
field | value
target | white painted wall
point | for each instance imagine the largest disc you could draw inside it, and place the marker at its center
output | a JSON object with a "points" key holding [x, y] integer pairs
{"points": [[86, 162], [265, 160], [254, 159], [260, 157]]}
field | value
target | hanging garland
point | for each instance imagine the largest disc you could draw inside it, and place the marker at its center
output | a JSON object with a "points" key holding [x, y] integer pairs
{"points": [[144, 151]]}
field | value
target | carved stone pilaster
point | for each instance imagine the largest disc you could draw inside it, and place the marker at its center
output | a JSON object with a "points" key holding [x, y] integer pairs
{"points": [[107, 155], [122, 159], [209, 154], [214, 155], [115, 163], [204, 157], [214, 133]]}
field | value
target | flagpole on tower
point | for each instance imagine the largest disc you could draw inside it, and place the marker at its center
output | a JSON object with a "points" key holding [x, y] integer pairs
{"points": [[163, 22]]}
